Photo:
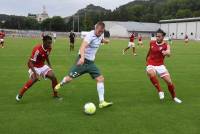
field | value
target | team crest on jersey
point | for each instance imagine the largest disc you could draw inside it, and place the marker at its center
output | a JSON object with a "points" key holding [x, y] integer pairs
{"points": [[160, 48]]}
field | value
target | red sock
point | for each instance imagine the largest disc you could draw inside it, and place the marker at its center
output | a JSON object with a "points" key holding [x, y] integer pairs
{"points": [[26, 87], [171, 90], [54, 83], [155, 82]]}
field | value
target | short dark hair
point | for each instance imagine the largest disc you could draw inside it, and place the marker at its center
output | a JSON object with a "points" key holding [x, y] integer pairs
{"points": [[161, 31], [47, 37], [100, 23]]}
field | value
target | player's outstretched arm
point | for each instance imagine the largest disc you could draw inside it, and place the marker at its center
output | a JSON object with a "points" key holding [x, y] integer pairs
{"points": [[82, 53], [147, 55], [30, 65], [167, 52]]}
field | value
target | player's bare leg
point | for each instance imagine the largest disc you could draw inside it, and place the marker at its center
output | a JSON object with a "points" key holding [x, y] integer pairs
{"points": [[171, 88], [50, 75], [134, 51], [72, 47], [124, 50], [2, 44], [141, 44], [66, 79], [153, 78], [28, 84], [100, 90]]}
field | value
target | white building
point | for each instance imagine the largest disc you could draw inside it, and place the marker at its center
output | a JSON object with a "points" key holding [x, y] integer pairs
{"points": [[178, 28], [43, 16], [40, 17], [123, 29]]}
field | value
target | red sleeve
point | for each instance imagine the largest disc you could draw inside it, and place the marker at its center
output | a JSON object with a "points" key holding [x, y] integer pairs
{"points": [[35, 53], [150, 43]]}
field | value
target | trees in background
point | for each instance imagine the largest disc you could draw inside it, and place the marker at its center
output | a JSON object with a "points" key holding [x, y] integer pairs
{"points": [[138, 10]]}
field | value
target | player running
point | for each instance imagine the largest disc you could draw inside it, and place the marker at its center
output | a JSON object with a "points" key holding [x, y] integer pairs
{"points": [[2, 36], [54, 37], [170, 41], [140, 43], [72, 40], [85, 62], [38, 69], [131, 44], [155, 65], [186, 39]]}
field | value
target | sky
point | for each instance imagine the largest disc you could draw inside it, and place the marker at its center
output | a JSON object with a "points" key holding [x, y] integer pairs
{"points": [[54, 7]]}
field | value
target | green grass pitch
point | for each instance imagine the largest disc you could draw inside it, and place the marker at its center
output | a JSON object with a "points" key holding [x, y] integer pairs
{"points": [[136, 109]]}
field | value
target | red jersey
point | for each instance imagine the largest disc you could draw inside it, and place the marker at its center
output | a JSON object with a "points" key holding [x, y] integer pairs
{"points": [[39, 55], [2, 35], [132, 38], [140, 38], [186, 37], [155, 57]]}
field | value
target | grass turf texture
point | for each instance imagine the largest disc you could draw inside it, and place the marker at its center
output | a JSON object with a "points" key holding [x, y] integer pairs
{"points": [[136, 109]]}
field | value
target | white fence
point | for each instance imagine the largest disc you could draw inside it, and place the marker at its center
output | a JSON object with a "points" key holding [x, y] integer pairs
{"points": [[35, 33]]}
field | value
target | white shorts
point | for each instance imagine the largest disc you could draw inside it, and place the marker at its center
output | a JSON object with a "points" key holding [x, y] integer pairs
{"points": [[42, 71], [186, 40], [140, 42], [131, 44], [160, 70], [1, 40]]}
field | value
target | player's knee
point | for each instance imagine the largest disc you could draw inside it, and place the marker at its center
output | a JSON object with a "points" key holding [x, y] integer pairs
{"points": [[68, 79], [100, 79]]}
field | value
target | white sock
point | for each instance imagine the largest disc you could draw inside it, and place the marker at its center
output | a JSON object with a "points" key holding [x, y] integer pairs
{"points": [[100, 89], [64, 81]]}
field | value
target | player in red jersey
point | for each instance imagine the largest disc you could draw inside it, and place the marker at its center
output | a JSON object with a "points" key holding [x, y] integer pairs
{"points": [[38, 69], [2, 35], [155, 65], [131, 44], [186, 39], [140, 43]]}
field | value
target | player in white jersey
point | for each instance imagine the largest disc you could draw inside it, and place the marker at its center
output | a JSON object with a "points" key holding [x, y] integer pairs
{"points": [[85, 62], [54, 37]]}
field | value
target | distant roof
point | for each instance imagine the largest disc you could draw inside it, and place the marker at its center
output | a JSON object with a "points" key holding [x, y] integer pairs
{"points": [[132, 26], [180, 20]]}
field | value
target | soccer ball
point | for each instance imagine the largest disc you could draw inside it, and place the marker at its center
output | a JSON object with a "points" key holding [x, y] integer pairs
{"points": [[89, 108]]}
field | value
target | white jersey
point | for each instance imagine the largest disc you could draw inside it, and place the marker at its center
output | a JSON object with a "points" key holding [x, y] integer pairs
{"points": [[54, 35], [93, 45]]}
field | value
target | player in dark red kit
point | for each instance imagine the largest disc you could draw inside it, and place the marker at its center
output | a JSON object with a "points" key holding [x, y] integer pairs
{"points": [[155, 65], [2, 35], [186, 39], [131, 45], [140, 43], [38, 69]]}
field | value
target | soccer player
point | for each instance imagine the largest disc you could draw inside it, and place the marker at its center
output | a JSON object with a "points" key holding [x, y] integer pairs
{"points": [[155, 65], [170, 39], [54, 37], [72, 40], [38, 69], [186, 39], [131, 45], [85, 62], [2, 35], [140, 43]]}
